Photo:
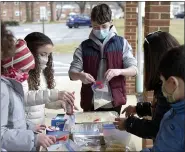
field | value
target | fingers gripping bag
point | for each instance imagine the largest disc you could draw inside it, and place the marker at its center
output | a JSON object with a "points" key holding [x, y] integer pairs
{"points": [[102, 95]]}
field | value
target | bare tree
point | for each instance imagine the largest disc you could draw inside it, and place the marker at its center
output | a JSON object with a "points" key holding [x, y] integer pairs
{"points": [[52, 11], [91, 3], [28, 18], [59, 11], [81, 6], [121, 5], [32, 11]]}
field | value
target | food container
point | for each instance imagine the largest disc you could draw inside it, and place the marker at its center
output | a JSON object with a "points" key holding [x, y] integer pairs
{"points": [[88, 128], [88, 136], [115, 139], [58, 123], [51, 129], [60, 116], [68, 146], [95, 117]]}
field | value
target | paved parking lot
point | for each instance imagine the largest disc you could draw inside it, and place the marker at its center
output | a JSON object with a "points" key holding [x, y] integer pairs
{"points": [[59, 33]]}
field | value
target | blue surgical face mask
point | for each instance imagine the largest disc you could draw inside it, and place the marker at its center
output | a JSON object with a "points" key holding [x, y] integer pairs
{"points": [[101, 34]]}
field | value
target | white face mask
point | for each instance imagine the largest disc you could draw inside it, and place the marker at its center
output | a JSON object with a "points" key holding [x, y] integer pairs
{"points": [[43, 62], [101, 34]]}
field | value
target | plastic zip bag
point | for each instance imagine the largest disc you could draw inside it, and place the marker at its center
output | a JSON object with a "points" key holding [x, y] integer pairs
{"points": [[69, 123], [102, 96], [115, 139]]}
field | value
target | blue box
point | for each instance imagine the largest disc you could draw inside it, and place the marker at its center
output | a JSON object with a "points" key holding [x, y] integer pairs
{"points": [[58, 123]]}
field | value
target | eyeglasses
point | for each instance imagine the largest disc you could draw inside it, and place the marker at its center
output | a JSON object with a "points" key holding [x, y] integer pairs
{"points": [[150, 34]]}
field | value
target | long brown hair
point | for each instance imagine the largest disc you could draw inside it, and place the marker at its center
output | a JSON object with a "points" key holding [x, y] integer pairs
{"points": [[34, 41], [155, 46]]}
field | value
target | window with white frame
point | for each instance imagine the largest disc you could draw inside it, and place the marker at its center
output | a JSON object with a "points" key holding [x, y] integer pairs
{"points": [[17, 13], [49, 13], [3, 13]]}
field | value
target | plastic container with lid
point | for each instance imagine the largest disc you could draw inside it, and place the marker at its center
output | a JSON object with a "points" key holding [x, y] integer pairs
{"points": [[58, 123]]}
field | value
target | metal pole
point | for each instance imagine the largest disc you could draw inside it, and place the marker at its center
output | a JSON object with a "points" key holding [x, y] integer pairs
{"points": [[139, 78], [43, 25], [20, 12]]}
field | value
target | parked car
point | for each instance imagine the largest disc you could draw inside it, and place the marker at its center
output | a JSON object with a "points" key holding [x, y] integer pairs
{"points": [[180, 15], [78, 20]]}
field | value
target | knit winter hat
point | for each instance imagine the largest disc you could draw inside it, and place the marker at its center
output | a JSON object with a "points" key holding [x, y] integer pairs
{"points": [[23, 59]]}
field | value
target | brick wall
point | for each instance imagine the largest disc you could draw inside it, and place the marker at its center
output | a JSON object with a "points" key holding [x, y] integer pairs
{"points": [[130, 35], [157, 17], [9, 9]]}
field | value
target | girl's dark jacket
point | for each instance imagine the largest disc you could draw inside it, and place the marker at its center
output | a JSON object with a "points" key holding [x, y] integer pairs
{"points": [[144, 128]]}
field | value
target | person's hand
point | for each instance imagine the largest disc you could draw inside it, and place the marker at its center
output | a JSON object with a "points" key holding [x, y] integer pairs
{"points": [[129, 111], [67, 97], [39, 128], [45, 140], [63, 105], [86, 78], [111, 73], [120, 123]]}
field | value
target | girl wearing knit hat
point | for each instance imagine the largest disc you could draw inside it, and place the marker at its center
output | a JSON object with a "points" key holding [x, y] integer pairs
{"points": [[17, 67], [16, 134], [42, 78]]}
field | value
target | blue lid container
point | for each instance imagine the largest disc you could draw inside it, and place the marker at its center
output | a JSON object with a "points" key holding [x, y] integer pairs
{"points": [[58, 123]]}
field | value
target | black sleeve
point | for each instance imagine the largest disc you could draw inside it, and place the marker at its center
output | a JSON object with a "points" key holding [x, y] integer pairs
{"points": [[149, 128], [143, 109], [142, 127]]}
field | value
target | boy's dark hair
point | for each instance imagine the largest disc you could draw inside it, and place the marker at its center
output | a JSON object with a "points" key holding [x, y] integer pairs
{"points": [[173, 63], [34, 41], [155, 46], [101, 14]]}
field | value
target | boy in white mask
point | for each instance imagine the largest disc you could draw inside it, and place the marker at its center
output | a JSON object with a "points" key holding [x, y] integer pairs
{"points": [[105, 57], [172, 130]]}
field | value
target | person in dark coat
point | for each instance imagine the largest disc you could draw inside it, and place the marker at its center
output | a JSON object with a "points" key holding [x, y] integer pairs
{"points": [[155, 45]]}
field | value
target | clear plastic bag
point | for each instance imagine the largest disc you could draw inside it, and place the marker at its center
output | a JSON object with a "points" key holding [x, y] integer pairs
{"points": [[102, 95], [115, 139], [87, 128], [88, 136], [69, 123], [85, 140]]}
